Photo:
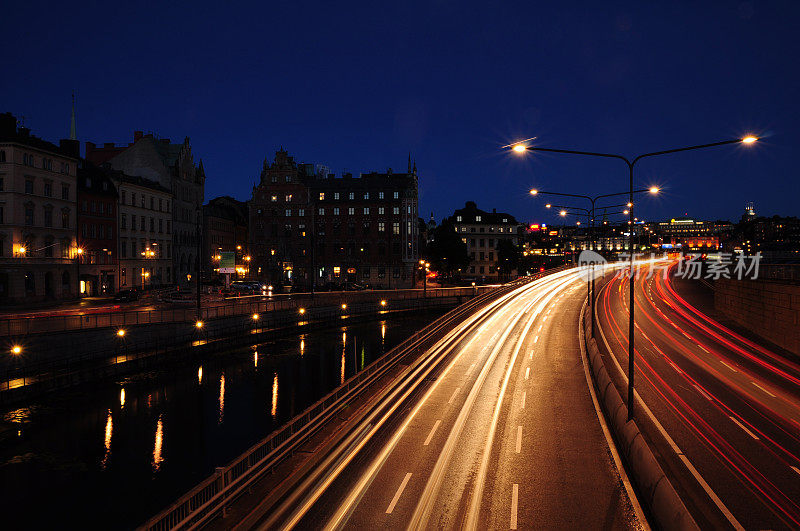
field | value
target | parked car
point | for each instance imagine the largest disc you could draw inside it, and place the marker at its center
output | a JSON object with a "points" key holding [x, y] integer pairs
{"points": [[126, 295], [352, 286]]}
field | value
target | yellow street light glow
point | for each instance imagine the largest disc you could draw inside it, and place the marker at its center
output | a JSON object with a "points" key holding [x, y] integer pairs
{"points": [[80, 250], [344, 306], [624, 211], [121, 332], [563, 213], [534, 191], [520, 148], [302, 311], [199, 324], [22, 250], [422, 262], [255, 317], [16, 349], [548, 205], [383, 303], [629, 205], [654, 189], [749, 139]]}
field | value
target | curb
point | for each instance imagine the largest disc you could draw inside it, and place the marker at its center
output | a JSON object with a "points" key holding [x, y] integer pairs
{"points": [[663, 502]]}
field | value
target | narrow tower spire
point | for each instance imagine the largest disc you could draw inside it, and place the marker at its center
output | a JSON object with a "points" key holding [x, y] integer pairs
{"points": [[409, 162], [73, 126]]}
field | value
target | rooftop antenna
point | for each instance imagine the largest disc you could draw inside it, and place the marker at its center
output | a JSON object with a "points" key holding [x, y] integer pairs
{"points": [[73, 126]]}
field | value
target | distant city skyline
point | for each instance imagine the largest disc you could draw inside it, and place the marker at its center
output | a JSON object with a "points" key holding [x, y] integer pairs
{"points": [[357, 91]]}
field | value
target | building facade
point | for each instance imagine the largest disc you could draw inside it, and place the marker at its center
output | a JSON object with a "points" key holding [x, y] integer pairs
{"points": [[225, 230], [145, 233], [37, 215], [97, 232], [482, 232], [172, 166], [312, 228]]}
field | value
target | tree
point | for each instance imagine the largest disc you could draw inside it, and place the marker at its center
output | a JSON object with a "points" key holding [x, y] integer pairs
{"points": [[446, 252], [508, 257]]}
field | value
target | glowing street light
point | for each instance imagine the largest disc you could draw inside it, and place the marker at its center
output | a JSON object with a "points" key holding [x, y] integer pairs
{"points": [[344, 306], [534, 191], [301, 311], [654, 189], [562, 213], [383, 302], [256, 317], [121, 332], [520, 149], [16, 349], [198, 324]]}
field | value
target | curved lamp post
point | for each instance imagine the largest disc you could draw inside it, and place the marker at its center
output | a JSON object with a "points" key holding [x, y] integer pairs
{"points": [[521, 148]]}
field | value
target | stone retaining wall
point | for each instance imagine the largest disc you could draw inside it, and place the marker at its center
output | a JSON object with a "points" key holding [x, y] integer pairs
{"points": [[770, 309]]}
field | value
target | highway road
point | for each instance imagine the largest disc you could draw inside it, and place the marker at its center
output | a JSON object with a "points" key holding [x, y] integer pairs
{"points": [[722, 409], [493, 428]]}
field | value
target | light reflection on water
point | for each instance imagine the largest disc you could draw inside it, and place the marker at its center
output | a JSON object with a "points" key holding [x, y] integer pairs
{"points": [[56, 456], [274, 411], [107, 440], [157, 457]]}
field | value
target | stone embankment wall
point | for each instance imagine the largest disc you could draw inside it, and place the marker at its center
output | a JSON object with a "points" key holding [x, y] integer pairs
{"points": [[768, 308]]}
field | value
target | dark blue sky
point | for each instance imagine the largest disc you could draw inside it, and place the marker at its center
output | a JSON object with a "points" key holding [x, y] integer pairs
{"points": [[358, 86]]}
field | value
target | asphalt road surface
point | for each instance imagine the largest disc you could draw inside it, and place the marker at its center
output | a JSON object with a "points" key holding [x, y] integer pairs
{"points": [[729, 406], [495, 428]]}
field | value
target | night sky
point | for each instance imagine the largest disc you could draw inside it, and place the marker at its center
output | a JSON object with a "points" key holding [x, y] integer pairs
{"points": [[358, 86]]}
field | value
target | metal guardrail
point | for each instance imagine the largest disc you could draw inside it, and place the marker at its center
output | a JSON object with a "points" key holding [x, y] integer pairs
{"points": [[23, 326], [210, 496]]}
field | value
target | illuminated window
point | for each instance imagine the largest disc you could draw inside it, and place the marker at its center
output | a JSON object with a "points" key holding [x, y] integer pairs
{"points": [[322, 196], [337, 271]]}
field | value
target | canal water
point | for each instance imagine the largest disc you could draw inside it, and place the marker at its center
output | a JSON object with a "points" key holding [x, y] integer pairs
{"points": [[115, 454]]}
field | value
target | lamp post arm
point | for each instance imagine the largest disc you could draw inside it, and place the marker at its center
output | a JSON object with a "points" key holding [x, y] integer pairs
{"points": [[690, 148]]}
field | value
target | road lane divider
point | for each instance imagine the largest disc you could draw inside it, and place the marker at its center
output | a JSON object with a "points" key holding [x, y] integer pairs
{"points": [[433, 431], [398, 494]]}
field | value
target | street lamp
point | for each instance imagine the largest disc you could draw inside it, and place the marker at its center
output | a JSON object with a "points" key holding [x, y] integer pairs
{"points": [[16, 349], [521, 148]]}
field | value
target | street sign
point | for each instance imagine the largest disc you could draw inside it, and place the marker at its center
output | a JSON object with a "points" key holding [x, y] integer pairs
{"points": [[227, 262]]}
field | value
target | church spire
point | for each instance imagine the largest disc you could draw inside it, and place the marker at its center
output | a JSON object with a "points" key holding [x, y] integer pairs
{"points": [[409, 162], [73, 125]]}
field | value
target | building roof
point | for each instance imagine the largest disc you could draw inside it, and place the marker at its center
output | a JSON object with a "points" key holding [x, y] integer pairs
{"points": [[99, 180], [9, 132], [470, 212], [226, 207]]}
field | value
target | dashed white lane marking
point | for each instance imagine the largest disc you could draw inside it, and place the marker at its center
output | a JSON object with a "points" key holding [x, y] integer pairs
{"points": [[519, 438], [795, 469], [540, 328], [531, 355], [544, 318], [453, 395], [527, 373], [707, 397], [524, 397], [469, 371], [536, 339], [770, 394], [433, 430], [398, 493], [514, 503], [750, 433], [728, 366]]}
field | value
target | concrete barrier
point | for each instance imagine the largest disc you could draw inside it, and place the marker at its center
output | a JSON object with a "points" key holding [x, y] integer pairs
{"points": [[655, 489]]}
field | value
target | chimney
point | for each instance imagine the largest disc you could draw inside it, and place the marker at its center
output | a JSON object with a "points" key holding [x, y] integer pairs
{"points": [[71, 147], [137, 135], [8, 125]]}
